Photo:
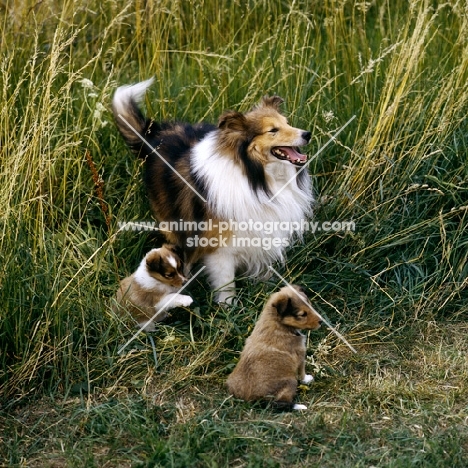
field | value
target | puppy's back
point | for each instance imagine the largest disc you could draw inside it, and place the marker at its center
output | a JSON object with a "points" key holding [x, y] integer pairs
{"points": [[266, 372]]}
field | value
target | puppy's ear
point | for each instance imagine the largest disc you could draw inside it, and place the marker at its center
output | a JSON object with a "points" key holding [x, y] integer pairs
{"points": [[232, 120], [283, 306], [173, 248], [301, 289], [154, 262], [272, 101]]}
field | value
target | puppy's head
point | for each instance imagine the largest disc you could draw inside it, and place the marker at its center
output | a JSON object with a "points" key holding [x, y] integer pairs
{"points": [[165, 265], [294, 309], [264, 134]]}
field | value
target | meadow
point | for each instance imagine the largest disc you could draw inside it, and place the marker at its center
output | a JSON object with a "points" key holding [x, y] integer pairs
{"points": [[395, 72]]}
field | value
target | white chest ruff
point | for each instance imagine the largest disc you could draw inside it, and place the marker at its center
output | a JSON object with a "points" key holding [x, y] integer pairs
{"points": [[262, 225]]}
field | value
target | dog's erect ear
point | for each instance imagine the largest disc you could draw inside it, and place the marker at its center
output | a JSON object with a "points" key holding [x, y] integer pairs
{"points": [[301, 289], [173, 248], [272, 101], [283, 306], [232, 120]]}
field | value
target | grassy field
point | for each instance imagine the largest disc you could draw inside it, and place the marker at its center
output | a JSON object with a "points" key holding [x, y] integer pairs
{"points": [[396, 287]]}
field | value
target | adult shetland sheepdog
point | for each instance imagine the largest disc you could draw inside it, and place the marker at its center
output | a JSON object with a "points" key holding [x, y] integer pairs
{"points": [[243, 172]]}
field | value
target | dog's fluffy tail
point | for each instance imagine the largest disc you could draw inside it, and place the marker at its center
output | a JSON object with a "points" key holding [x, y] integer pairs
{"points": [[131, 122]]}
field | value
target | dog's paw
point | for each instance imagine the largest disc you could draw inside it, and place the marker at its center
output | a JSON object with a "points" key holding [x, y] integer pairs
{"points": [[299, 407], [183, 301], [226, 298], [307, 379]]}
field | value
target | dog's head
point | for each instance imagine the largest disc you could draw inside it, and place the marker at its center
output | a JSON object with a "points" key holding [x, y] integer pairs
{"points": [[165, 265], [263, 134], [294, 309]]}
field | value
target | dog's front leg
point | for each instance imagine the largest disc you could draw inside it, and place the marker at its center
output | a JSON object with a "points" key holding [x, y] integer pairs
{"points": [[303, 377], [221, 268], [174, 300]]}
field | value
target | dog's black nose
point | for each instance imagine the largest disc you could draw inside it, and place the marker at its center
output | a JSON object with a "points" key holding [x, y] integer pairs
{"points": [[306, 136]]}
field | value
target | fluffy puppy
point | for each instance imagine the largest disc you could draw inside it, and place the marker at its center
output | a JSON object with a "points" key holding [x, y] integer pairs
{"points": [[215, 179], [152, 287], [273, 358]]}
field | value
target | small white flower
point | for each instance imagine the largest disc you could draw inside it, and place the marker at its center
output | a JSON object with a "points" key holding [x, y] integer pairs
{"points": [[328, 116], [363, 6], [97, 115], [86, 84]]}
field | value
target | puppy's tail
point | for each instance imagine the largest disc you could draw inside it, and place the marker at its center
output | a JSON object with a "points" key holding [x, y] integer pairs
{"points": [[282, 406], [275, 405], [131, 122]]}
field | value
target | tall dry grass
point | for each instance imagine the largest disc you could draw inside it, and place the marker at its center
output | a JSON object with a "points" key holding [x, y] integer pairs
{"points": [[66, 179]]}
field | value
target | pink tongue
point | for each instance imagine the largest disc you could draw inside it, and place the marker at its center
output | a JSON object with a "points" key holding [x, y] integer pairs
{"points": [[293, 154]]}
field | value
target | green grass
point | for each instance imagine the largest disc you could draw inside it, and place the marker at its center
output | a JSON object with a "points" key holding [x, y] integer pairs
{"points": [[397, 286], [401, 402]]}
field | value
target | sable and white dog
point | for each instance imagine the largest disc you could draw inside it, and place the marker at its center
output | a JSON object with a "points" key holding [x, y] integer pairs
{"points": [[247, 169], [152, 288], [273, 358]]}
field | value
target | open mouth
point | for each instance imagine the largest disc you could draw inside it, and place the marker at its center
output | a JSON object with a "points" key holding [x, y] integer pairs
{"points": [[289, 153]]}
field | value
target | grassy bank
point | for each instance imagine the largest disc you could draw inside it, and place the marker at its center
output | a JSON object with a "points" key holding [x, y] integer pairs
{"points": [[396, 286]]}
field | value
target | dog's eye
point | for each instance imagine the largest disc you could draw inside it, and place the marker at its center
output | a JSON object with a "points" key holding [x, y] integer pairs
{"points": [[169, 275], [302, 314], [273, 130]]}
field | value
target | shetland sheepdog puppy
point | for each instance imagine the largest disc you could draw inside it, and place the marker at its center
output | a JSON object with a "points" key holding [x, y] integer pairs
{"points": [[273, 359], [246, 169], [153, 287]]}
